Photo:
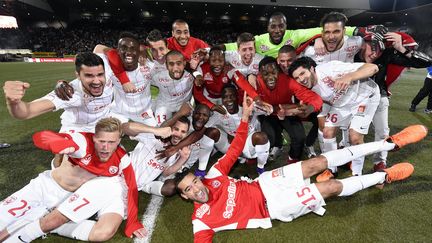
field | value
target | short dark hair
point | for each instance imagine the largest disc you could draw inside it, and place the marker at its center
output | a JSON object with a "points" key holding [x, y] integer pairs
{"points": [[278, 14], [179, 177], [286, 49], [244, 37], [305, 62], [185, 120], [178, 21], [267, 60], [126, 34], [89, 59], [229, 86], [173, 53], [215, 49], [155, 35], [334, 17], [201, 105]]}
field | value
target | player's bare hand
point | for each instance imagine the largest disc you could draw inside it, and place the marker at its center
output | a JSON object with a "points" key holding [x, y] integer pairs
{"points": [[252, 80], [168, 152], [200, 54], [248, 105], [305, 110], [199, 81], [140, 233], [319, 47], [266, 107], [129, 87], [343, 82], [219, 108], [63, 90], [396, 41], [163, 132], [185, 152], [185, 109], [67, 150], [288, 110], [14, 90]]}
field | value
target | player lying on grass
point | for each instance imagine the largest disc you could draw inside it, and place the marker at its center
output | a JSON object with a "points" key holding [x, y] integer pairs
{"points": [[223, 203], [90, 155]]}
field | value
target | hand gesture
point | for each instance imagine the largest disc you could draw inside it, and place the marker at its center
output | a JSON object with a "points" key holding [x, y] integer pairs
{"points": [[140, 233], [266, 107], [219, 108], [67, 150], [185, 152], [185, 109], [248, 106], [319, 47], [129, 87], [14, 90], [343, 82], [396, 41], [199, 81], [163, 132], [63, 90]]}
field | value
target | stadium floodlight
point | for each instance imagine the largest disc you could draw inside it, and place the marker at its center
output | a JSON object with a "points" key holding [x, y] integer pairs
{"points": [[8, 22]]}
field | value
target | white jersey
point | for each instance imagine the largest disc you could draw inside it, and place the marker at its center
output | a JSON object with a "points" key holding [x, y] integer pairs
{"points": [[147, 168], [131, 105], [346, 53], [230, 122], [233, 58], [358, 90], [172, 93], [82, 110]]}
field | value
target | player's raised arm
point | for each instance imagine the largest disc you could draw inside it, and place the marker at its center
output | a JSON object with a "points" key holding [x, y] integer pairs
{"points": [[365, 71], [14, 92]]}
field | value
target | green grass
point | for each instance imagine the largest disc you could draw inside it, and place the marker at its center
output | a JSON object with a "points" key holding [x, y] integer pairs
{"points": [[401, 212]]}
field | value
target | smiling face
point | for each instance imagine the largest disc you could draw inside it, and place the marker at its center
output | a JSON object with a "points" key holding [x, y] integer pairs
{"points": [[180, 32], [129, 50], [105, 144], [179, 131], [285, 60], [159, 49], [175, 64], [276, 29], [217, 62], [192, 188], [230, 100], [247, 52], [92, 79], [269, 73], [367, 54], [332, 35], [305, 77], [200, 117]]}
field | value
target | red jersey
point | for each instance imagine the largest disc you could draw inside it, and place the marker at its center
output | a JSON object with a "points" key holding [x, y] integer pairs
{"points": [[187, 51], [285, 89], [232, 204], [212, 83], [85, 157]]}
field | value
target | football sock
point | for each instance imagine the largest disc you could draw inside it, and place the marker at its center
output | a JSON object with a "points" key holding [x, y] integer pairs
{"points": [[78, 231], [206, 147], [262, 152], [354, 184]]}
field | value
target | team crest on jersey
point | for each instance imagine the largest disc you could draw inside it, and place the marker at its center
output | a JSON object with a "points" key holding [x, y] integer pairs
{"points": [[216, 184], [73, 197], [288, 42], [361, 109], [224, 80], [255, 66], [208, 77], [277, 172], [113, 169], [9, 200], [145, 115], [201, 211], [264, 48], [86, 160]]}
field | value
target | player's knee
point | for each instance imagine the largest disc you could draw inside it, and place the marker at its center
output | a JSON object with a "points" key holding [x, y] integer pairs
{"points": [[259, 138], [168, 188], [356, 138], [213, 133], [52, 221], [103, 233], [334, 187]]}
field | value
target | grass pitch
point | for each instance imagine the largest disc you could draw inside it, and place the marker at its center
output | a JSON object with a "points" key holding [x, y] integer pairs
{"points": [[401, 212]]}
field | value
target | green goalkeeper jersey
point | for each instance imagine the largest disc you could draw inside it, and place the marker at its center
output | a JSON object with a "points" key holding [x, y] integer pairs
{"points": [[264, 47]]}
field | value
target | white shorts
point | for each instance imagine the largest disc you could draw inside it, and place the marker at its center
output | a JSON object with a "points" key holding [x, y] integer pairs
{"points": [[31, 202], [324, 110], [248, 151], [357, 116], [146, 118], [288, 195], [99, 195]]}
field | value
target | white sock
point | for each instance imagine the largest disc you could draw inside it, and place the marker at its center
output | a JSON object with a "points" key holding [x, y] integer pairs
{"points": [[343, 156], [321, 140], [77, 231], [262, 152], [357, 166], [154, 187], [222, 144], [354, 184], [30, 232], [345, 137], [330, 144], [206, 147]]}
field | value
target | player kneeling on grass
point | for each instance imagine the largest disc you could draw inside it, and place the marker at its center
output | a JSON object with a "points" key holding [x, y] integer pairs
{"points": [[223, 203]]}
